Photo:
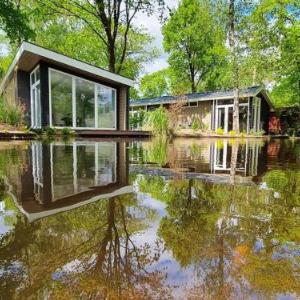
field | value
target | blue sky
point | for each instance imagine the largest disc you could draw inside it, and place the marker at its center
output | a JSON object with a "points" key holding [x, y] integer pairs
{"points": [[152, 24]]}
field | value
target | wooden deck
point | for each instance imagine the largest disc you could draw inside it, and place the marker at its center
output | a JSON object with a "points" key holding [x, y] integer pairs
{"points": [[112, 133]]}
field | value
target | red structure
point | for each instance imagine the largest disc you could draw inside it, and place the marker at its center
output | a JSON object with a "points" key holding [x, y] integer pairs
{"points": [[275, 126]]}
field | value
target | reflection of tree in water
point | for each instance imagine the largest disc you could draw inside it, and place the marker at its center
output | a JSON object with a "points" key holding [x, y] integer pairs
{"points": [[231, 236], [91, 252]]}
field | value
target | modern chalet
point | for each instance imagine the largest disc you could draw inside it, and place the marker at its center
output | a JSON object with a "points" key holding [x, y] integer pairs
{"points": [[215, 109], [59, 91]]}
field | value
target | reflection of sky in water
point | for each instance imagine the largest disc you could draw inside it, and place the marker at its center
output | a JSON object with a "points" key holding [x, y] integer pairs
{"points": [[4, 227], [176, 276]]}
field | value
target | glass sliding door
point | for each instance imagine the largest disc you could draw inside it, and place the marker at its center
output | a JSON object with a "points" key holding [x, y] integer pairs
{"points": [[106, 102], [85, 103], [80, 103], [243, 118], [61, 99], [224, 117], [35, 95], [221, 118], [229, 118]]}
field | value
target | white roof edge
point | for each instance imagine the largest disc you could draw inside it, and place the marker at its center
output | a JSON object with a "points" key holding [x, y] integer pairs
{"points": [[63, 59], [38, 215]]}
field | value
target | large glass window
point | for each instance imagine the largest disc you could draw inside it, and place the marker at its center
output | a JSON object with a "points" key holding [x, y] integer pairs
{"points": [[106, 101], [74, 104], [61, 98], [62, 171], [85, 103]]}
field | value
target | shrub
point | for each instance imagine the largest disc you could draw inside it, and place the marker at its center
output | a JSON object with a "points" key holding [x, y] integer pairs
{"points": [[12, 114], [67, 132], [257, 133], [232, 132], [196, 125], [157, 121], [220, 131], [50, 131]]}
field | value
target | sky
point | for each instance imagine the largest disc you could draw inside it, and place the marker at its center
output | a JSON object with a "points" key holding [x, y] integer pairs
{"points": [[152, 24]]}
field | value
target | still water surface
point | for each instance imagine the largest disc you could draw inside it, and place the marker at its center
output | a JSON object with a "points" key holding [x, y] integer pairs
{"points": [[187, 219]]}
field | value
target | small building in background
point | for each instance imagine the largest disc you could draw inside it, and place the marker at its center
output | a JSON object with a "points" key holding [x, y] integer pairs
{"points": [[214, 110]]}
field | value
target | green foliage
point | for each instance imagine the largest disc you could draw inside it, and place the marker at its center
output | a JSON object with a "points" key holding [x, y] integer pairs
{"points": [[79, 31], [157, 121], [257, 133], [67, 132], [196, 124], [50, 131], [232, 132], [192, 55], [220, 131], [14, 22], [291, 120], [154, 84], [137, 119], [12, 115]]}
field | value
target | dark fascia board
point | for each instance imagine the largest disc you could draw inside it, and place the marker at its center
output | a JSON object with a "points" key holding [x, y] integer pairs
{"points": [[64, 60]]}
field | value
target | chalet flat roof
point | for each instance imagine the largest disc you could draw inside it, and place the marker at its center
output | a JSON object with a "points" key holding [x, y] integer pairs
{"points": [[205, 96], [30, 54]]}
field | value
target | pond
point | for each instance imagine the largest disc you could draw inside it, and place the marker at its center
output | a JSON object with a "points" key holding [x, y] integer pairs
{"points": [[152, 219]]}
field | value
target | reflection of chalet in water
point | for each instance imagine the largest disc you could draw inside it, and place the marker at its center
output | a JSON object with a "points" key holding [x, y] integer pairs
{"points": [[208, 159], [63, 176], [247, 158]]}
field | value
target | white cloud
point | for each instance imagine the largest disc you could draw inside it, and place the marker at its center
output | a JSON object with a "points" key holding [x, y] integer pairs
{"points": [[153, 26]]}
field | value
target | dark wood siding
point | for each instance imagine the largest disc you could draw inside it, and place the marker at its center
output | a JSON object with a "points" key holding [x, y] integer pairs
{"points": [[265, 113], [23, 93], [45, 94]]}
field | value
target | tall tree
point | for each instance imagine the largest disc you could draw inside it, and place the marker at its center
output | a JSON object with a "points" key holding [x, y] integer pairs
{"points": [[154, 84], [110, 20], [274, 34], [194, 41], [232, 37]]}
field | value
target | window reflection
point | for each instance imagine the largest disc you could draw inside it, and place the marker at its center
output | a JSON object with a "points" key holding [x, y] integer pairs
{"points": [[61, 99], [72, 169], [85, 103], [106, 107], [246, 162]]}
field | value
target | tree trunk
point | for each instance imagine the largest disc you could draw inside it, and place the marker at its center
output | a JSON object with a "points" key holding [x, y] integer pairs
{"points": [[193, 87], [111, 58], [233, 162], [235, 66]]}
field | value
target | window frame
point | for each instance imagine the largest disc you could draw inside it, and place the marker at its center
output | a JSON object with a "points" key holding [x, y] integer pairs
{"points": [[34, 113], [74, 77]]}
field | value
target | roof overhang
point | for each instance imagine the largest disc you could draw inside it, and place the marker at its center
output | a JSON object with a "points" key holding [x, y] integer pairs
{"points": [[203, 97], [29, 55]]}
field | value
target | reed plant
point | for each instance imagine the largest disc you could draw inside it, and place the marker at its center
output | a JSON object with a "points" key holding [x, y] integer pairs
{"points": [[157, 121], [12, 115]]}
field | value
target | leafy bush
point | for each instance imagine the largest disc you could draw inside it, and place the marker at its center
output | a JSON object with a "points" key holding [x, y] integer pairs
{"points": [[50, 131], [220, 131], [257, 133], [67, 132], [157, 121], [196, 125], [12, 114], [232, 132]]}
